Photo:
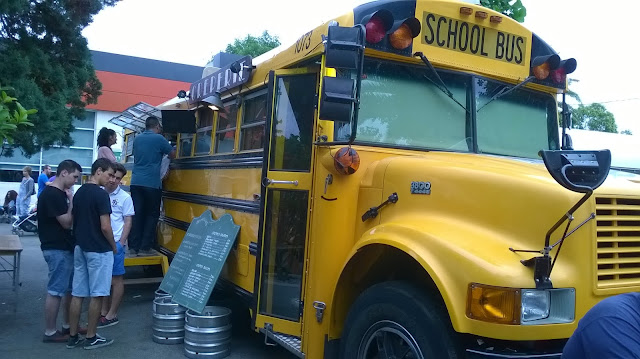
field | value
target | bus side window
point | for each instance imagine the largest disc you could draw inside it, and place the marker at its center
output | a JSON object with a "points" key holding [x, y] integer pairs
{"points": [[186, 144], [253, 121], [128, 151], [203, 131], [226, 128]]}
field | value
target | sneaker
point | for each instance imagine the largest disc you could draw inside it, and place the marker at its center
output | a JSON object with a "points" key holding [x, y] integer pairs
{"points": [[74, 341], [81, 330], [97, 342], [103, 322], [147, 253], [130, 252], [57, 337]]}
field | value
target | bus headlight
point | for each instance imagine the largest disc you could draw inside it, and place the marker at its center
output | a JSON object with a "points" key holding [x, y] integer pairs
{"points": [[548, 306], [535, 305], [517, 306]]}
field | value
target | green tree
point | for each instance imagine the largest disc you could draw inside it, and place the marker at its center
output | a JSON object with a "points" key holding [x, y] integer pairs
{"points": [[44, 56], [253, 45], [512, 8], [626, 132], [594, 117], [12, 115]]}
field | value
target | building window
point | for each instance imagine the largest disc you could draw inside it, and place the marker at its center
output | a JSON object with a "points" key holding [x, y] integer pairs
{"points": [[226, 128], [253, 121], [203, 132]]}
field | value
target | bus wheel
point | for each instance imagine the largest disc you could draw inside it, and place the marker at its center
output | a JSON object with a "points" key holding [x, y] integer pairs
{"points": [[396, 320]]}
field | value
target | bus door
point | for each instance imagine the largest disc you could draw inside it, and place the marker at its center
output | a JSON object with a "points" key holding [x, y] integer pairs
{"points": [[287, 182]]}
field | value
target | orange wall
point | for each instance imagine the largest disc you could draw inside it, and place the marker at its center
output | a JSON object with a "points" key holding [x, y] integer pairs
{"points": [[120, 91]]}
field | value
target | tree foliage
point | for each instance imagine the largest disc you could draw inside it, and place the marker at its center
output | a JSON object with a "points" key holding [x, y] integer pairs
{"points": [[253, 45], [12, 115], [594, 117], [626, 132], [512, 8], [45, 58]]}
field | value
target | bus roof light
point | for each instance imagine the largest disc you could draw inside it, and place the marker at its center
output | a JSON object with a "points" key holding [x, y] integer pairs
{"points": [[466, 10], [403, 33], [569, 65], [565, 67], [377, 25], [541, 66], [481, 14], [496, 19]]}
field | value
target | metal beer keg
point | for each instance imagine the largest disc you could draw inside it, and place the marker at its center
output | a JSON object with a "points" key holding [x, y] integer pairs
{"points": [[159, 293], [168, 321], [208, 335]]}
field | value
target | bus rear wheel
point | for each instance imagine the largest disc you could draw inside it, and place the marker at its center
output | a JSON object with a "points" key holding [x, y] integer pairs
{"points": [[396, 320]]}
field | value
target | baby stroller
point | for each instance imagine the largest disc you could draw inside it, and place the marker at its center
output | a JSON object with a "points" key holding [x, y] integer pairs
{"points": [[28, 223], [8, 210]]}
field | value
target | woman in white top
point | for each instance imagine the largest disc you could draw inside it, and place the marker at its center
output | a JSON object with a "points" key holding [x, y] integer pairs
{"points": [[106, 138], [25, 192]]}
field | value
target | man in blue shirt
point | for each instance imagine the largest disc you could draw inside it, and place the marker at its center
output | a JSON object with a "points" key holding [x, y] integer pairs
{"points": [[148, 149], [43, 178], [611, 330]]}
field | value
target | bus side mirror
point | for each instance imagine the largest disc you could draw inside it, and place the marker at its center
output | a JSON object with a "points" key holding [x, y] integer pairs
{"points": [[578, 171], [339, 97]]}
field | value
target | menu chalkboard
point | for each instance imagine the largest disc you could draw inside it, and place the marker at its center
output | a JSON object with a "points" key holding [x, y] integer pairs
{"points": [[197, 264]]}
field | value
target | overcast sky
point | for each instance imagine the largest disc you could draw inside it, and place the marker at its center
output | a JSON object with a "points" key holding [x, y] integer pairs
{"points": [[600, 36]]}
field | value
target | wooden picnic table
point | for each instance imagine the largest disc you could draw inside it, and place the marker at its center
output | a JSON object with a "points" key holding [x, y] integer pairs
{"points": [[10, 245]]}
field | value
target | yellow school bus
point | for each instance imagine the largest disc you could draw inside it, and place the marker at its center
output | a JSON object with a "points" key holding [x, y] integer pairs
{"points": [[386, 175]]}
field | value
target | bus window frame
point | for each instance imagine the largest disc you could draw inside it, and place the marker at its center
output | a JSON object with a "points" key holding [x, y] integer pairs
{"points": [[471, 107], [227, 102], [128, 146], [182, 136], [263, 91], [201, 130]]}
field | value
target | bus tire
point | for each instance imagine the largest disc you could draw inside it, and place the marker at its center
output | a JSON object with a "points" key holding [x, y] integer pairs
{"points": [[401, 318]]}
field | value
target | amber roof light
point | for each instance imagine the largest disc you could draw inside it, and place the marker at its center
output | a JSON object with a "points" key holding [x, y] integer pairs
{"points": [[466, 10]]}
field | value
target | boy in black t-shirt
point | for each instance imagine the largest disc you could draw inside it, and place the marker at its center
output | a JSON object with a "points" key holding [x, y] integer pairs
{"points": [[93, 253], [55, 219]]}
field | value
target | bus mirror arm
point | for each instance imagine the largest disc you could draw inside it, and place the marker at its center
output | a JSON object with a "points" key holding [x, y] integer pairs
{"points": [[543, 265], [360, 72], [578, 171]]}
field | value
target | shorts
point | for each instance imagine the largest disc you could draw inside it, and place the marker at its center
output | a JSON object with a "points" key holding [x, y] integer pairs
{"points": [[91, 273], [118, 260], [60, 263]]}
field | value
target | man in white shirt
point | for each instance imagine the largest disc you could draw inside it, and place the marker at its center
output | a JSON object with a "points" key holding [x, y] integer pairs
{"points": [[121, 220]]}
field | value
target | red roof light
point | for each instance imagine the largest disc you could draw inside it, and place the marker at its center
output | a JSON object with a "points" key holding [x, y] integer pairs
{"points": [[376, 30]]}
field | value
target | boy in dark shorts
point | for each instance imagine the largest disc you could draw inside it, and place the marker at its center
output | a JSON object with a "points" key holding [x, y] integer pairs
{"points": [[93, 253], [55, 219]]}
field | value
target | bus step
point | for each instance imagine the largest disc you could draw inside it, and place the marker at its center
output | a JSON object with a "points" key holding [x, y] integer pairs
{"points": [[289, 342]]}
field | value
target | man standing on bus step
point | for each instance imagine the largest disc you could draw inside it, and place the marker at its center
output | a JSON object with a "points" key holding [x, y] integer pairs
{"points": [[55, 220], [43, 179], [93, 253], [121, 220], [148, 149]]}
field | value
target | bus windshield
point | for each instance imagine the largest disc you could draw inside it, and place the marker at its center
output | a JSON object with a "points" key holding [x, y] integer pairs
{"points": [[402, 106]]}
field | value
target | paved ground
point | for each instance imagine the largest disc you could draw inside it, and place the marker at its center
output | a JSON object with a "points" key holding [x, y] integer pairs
{"points": [[21, 321]]}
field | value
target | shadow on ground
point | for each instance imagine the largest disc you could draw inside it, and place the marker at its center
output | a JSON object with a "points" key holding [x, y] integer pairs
{"points": [[22, 320]]}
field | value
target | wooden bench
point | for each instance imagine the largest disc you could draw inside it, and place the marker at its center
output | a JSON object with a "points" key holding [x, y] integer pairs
{"points": [[10, 245]]}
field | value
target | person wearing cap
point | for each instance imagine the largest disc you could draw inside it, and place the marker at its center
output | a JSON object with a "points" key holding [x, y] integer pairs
{"points": [[148, 149]]}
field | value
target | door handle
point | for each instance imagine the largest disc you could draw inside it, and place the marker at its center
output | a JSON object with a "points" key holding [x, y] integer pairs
{"points": [[267, 181]]}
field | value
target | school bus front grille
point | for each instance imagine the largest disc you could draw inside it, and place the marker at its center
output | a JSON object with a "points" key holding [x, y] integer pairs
{"points": [[618, 239]]}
